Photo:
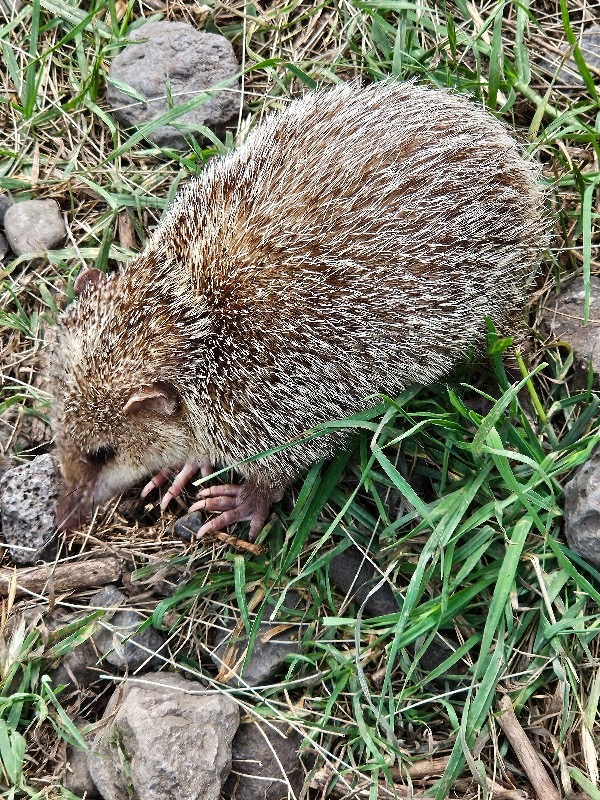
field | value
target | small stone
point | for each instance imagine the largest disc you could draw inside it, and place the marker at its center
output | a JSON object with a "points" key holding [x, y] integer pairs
{"points": [[582, 510], [161, 741], [563, 321], [4, 248], [77, 778], [120, 643], [77, 669], [268, 656], [5, 202], [188, 526], [265, 765], [34, 225], [28, 494], [351, 573], [9, 9], [568, 74], [179, 61]]}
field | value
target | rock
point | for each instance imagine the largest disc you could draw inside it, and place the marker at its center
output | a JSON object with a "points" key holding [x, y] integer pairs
{"points": [[4, 248], [162, 743], [188, 526], [589, 44], [563, 321], [28, 494], [351, 573], [78, 669], [437, 652], [265, 766], [77, 778], [34, 225], [5, 201], [176, 58], [120, 644], [268, 656], [582, 510], [9, 9]]}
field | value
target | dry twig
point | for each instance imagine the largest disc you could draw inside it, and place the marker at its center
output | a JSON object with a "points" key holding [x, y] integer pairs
{"points": [[525, 752], [65, 577]]}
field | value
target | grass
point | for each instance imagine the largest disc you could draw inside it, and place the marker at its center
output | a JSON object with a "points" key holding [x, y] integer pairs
{"points": [[474, 552]]}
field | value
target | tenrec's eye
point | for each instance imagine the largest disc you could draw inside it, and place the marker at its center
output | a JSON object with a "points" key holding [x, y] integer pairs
{"points": [[101, 456]]}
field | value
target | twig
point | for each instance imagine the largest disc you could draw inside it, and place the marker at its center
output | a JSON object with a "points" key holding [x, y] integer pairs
{"points": [[62, 577], [525, 752], [236, 543]]}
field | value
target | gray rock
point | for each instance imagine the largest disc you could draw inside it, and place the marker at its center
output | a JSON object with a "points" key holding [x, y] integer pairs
{"points": [[268, 655], [265, 765], [9, 9], [189, 525], [582, 510], [119, 643], [563, 321], [176, 58], [5, 202], [568, 75], [78, 669], [4, 248], [28, 494], [351, 573], [162, 743], [34, 225], [77, 778]]}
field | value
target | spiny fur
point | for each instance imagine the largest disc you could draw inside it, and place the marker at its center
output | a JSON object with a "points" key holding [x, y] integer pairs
{"points": [[355, 243]]}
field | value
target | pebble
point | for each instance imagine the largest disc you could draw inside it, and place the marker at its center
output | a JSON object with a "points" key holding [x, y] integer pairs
{"points": [[562, 320], [4, 248], [192, 61], [5, 204], [9, 9], [34, 225], [162, 742], [77, 778], [189, 525], [568, 75], [351, 573], [269, 653], [78, 669], [120, 643], [28, 494], [582, 510], [265, 763]]}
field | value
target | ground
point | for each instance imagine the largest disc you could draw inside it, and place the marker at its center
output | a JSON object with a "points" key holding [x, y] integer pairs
{"points": [[475, 553]]}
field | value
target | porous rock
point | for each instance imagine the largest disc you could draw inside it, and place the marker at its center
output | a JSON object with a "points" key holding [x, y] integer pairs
{"points": [[28, 494], [118, 638], [265, 763], [568, 74], [582, 510], [174, 58], [162, 743], [563, 321], [34, 225], [5, 203], [77, 778], [269, 650], [355, 575]]}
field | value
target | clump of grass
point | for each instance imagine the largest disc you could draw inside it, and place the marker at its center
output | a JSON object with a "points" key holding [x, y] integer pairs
{"points": [[474, 552]]}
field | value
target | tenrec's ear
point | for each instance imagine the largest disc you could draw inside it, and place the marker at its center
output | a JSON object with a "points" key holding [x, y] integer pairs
{"points": [[89, 277], [158, 398]]}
